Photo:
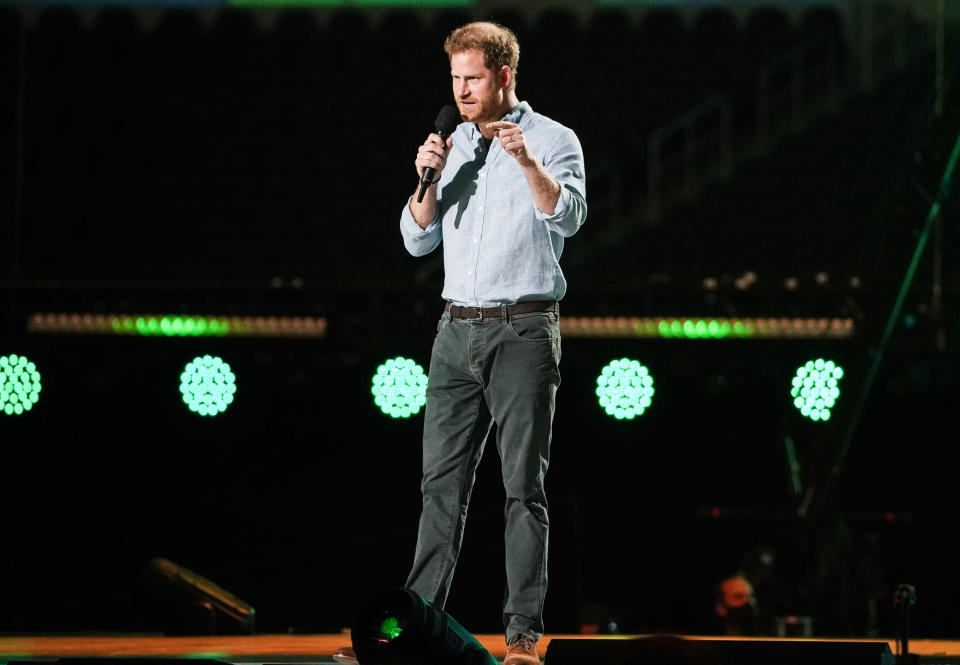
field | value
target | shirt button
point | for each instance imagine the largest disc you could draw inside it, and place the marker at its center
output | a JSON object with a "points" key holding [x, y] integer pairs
{"points": [[476, 240], [469, 272], [483, 175], [481, 208]]}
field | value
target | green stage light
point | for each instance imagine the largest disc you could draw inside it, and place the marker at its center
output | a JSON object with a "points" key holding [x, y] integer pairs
{"points": [[171, 326], [207, 385], [815, 388], [399, 387], [625, 389], [390, 629], [19, 384]]}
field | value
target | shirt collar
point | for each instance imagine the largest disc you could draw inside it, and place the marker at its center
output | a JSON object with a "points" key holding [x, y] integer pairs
{"points": [[517, 112]]}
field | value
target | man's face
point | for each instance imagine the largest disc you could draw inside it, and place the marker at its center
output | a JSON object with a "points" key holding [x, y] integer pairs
{"points": [[476, 89]]}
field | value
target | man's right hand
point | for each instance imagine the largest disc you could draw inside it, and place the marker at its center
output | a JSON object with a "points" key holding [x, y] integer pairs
{"points": [[433, 154]]}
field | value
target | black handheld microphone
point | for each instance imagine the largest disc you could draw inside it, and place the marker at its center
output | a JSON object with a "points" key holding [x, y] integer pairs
{"points": [[447, 121]]}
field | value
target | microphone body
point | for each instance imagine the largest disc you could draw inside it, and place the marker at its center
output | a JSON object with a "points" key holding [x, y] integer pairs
{"points": [[445, 124]]}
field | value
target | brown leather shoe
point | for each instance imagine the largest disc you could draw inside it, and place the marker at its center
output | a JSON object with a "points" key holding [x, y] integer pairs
{"points": [[346, 655], [522, 650]]}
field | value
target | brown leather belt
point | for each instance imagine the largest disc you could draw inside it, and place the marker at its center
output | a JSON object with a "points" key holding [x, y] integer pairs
{"points": [[460, 312]]}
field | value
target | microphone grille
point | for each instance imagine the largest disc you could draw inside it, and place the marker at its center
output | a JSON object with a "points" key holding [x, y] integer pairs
{"points": [[447, 120]]}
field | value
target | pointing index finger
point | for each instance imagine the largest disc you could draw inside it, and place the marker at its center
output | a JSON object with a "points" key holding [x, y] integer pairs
{"points": [[501, 124]]}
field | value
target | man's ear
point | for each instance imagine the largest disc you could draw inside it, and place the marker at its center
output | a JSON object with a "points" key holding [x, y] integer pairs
{"points": [[506, 77]]}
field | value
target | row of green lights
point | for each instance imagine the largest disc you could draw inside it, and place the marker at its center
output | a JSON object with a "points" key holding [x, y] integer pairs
{"points": [[708, 328], [178, 325], [704, 329], [624, 387], [207, 385], [171, 326]]}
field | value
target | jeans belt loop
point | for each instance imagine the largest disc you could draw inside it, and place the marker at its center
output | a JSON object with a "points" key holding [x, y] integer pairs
{"points": [[504, 313]]}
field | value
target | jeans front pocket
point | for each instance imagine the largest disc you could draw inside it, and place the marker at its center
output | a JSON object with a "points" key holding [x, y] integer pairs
{"points": [[535, 327]]}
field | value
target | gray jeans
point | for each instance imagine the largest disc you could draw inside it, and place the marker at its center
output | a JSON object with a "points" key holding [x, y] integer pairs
{"points": [[495, 370]]}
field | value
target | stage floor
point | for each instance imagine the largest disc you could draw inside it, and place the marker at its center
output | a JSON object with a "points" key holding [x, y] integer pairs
{"points": [[252, 649]]}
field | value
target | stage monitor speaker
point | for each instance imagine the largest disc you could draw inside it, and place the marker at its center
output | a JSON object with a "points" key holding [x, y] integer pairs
{"points": [[677, 650], [185, 603], [396, 626]]}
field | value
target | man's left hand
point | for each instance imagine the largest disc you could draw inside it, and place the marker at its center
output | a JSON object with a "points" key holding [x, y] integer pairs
{"points": [[512, 139]]}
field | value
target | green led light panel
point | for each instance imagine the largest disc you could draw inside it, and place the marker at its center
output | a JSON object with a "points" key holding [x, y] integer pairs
{"points": [[399, 387], [207, 385], [625, 389], [706, 328], [161, 325], [171, 326], [815, 390], [19, 384]]}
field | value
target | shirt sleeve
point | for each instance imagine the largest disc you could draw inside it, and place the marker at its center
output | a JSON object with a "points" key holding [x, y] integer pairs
{"points": [[565, 163], [416, 240]]}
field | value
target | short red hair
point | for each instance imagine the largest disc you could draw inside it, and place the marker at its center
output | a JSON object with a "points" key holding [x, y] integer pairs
{"points": [[498, 45]]}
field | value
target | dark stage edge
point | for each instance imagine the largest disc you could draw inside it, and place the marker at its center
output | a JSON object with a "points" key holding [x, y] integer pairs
{"points": [[302, 649]]}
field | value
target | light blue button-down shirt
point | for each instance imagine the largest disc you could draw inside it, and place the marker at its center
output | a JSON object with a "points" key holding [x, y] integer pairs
{"points": [[497, 246]]}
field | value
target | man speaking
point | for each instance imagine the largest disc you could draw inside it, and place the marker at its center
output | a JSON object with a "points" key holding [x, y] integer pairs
{"points": [[501, 193]]}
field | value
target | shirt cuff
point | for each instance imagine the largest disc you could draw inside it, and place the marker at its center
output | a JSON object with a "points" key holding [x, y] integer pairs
{"points": [[409, 225], [557, 210]]}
